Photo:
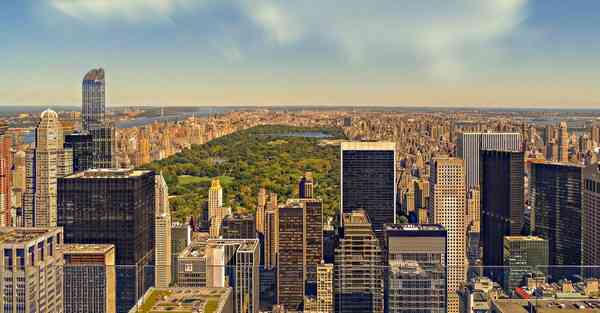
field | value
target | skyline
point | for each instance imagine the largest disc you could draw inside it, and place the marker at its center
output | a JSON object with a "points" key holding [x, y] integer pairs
{"points": [[495, 53]]}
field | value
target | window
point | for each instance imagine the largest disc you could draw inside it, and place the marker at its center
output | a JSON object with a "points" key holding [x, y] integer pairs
{"points": [[8, 260]]}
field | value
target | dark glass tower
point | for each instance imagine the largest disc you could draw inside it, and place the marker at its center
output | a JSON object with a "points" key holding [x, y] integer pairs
{"points": [[501, 178], [113, 207], [93, 98], [82, 145], [555, 194], [368, 180], [290, 257], [238, 226]]}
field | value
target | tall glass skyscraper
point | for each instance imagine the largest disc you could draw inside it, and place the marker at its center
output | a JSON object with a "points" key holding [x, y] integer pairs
{"points": [[555, 197], [368, 179], [93, 98]]}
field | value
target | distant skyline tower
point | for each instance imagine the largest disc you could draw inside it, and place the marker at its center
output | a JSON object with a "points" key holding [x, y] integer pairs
{"points": [[93, 106], [368, 181], [447, 208], [215, 199], [358, 270], [306, 186], [470, 144], [563, 142], [590, 240], [47, 161], [555, 198], [162, 234], [502, 203]]}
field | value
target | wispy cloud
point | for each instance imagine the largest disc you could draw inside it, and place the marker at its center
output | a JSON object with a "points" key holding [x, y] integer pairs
{"points": [[440, 37]]}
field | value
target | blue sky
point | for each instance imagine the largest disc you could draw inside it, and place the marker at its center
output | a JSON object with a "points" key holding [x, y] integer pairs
{"points": [[536, 53]]}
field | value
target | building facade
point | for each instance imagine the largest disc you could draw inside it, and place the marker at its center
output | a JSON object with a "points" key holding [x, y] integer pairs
{"points": [[502, 204], [590, 240], [470, 144], [32, 270], [290, 256], [368, 180], [46, 162], [162, 235], [447, 208], [416, 256], [6, 182], [238, 226], [555, 197], [114, 207], [358, 270], [93, 108], [89, 278], [523, 255]]}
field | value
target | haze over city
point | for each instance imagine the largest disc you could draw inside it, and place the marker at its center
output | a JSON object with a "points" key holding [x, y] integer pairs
{"points": [[493, 53]]}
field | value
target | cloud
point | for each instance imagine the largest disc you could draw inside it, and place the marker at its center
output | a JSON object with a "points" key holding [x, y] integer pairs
{"points": [[441, 39]]}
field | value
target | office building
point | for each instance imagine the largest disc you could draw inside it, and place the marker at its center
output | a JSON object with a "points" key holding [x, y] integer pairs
{"points": [[523, 255], [501, 204], [104, 146], [368, 180], [590, 240], [555, 198], [6, 163], [89, 278], [93, 109], [180, 300], [469, 146], [162, 234], [215, 207], [46, 161], [290, 256], [563, 142], [31, 270], [261, 206], [306, 186], [19, 177], [82, 145], [270, 250], [416, 257], [313, 236], [447, 207], [358, 271], [116, 207], [238, 226], [235, 263], [181, 236], [192, 266], [324, 299]]}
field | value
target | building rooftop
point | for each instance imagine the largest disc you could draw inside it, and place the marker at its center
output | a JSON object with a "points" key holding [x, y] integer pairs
{"points": [[194, 250], [109, 173], [368, 145], [356, 217], [12, 235], [183, 300], [78, 248], [548, 306], [414, 227], [95, 74], [523, 238]]}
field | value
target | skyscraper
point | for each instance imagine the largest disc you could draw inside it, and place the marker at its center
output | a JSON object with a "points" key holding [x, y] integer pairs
{"points": [[290, 257], [313, 236], [162, 234], [306, 186], [501, 178], [470, 144], [215, 206], [89, 278], [447, 208], [324, 298], [523, 255], [270, 250], [555, 198], [368, 180], [590, 240], [82, 145], [113, 207], [181, 236], [238, 226], [93, 99], [358, 270], [47, 161], [261, 206], [6, 163], [563, 142], [417, 268], [31, 269]]}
